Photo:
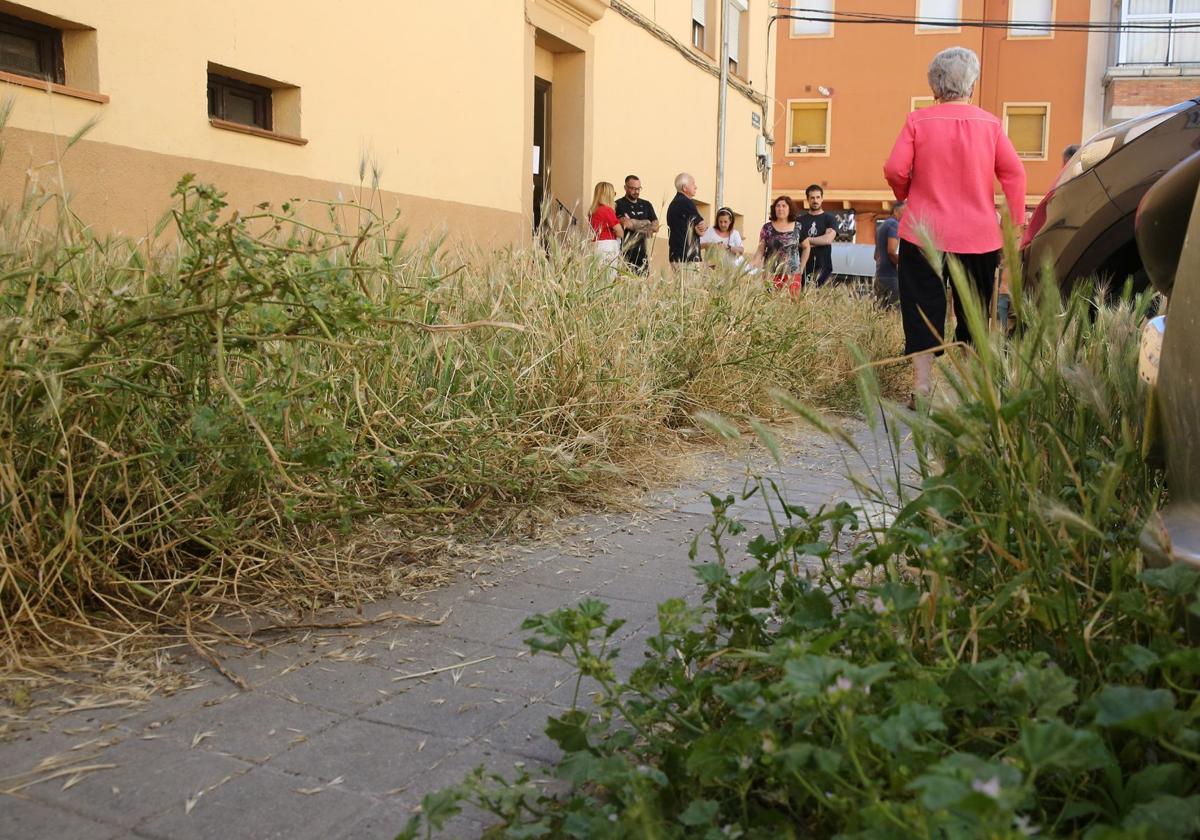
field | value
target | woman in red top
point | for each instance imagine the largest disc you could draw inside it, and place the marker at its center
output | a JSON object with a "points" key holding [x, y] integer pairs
{"points": [[944, 164], [606, 230]]}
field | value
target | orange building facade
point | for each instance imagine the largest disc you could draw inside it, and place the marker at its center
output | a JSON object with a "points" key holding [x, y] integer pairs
{"points": [[843, 90]]}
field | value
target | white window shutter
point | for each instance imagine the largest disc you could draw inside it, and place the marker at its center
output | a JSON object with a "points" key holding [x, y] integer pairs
{"points": [[1032, 11], [698, 9], [939, 10]]}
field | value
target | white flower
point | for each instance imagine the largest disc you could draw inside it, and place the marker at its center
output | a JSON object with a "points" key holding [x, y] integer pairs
{"points": [[990, 788], [1025, 826], [841, 684], [878, 606]]}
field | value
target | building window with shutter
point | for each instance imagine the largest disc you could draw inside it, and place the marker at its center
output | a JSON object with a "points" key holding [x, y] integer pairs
{"points": [[239, 102], [736, 34], [821, 26], [31, 49], [1035, 17], [808, 127], [938, 16], [1027, 125], [700, 24], [919, 102], [1167, 45], [247, 103]]}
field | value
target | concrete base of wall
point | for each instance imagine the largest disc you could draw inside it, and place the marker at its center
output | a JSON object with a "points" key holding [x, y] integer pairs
{"points": [[117, 189]]}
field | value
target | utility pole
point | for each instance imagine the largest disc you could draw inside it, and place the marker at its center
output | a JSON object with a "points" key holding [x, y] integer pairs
{"points": [[723, 96]]}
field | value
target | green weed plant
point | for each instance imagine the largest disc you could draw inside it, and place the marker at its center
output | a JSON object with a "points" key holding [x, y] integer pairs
{"points": [[977, 651]]}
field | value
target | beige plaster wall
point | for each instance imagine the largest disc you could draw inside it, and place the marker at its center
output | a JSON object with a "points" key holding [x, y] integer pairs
{"points": [[431, 92]]}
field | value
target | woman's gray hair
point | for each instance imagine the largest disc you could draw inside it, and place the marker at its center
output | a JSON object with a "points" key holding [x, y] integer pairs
{"points": [[953, 73]]}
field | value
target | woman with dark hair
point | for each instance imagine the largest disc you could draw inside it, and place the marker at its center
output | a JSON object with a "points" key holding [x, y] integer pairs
{"points": [[943, 164], [722, 238], [783, 247]]}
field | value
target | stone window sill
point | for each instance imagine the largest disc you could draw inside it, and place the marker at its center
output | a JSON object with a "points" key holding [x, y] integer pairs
{"points": [[255, 131], [52, 87]]}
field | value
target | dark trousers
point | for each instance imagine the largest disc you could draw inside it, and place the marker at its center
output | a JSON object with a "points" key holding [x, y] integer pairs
{"points": [[923, 295]]}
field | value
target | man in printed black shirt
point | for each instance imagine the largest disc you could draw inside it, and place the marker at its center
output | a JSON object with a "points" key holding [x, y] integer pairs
{"points": [[820, 228], [638, 219], [684, 223]]}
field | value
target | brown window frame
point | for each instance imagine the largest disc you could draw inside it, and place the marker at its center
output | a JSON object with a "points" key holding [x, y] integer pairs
{"points": [[49, 47], [263, 106]]}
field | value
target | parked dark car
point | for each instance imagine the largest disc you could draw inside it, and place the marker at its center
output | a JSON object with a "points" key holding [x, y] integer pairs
{"points": [[1084, 227], [1168, 233]]}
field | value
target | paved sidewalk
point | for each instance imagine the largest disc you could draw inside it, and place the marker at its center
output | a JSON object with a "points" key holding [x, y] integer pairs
{"points": [[336, 738]]}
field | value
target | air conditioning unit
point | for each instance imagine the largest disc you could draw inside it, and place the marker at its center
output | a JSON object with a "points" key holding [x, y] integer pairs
{"points": [[807, 150]]}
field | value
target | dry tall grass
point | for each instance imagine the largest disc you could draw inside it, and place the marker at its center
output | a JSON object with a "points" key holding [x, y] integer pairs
{"points": [[202, 428]]}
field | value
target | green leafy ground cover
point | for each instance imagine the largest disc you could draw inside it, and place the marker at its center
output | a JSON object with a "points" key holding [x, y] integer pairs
{"points": [[988, 659]]}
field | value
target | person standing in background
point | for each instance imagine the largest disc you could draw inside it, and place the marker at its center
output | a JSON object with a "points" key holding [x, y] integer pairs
{"points": [[944, 163], [820, 228], [887, 257], [782, 248], [722, 238], [639, 222], [606, 230], [685, 225]]}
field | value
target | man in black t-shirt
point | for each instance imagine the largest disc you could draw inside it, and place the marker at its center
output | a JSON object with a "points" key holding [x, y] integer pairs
{"points": [[684, 223], [820, 228], [639, 221]]}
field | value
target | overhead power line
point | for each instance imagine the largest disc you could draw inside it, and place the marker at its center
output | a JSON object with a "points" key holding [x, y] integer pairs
{"points": [[824, 16]]}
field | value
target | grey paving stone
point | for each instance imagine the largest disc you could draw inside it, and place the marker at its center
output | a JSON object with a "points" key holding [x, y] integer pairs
{"points": [[28, 818], [258, 667], [370, 757], [148, 778], [23, 752], [569, 574], [254, 726], [474, 622], [524, 734], [443, 708], [646, 591], [342, 687], [209, 689], [263, 805], [520, 673], [523, 596]]}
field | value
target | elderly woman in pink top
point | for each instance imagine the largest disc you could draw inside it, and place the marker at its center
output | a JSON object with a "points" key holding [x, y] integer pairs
{"points": [[945, 164]]}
